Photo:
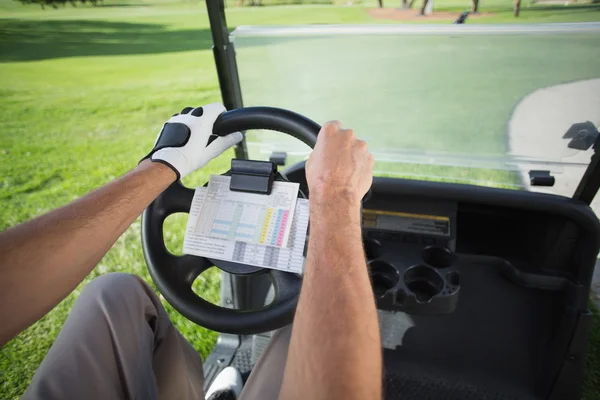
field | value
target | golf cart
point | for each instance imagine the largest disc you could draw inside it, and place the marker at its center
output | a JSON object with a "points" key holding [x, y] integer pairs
{"points": [[482, 292]]}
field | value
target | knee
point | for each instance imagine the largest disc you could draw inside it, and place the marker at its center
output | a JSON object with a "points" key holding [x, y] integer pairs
{"points": [[116, 286], [114, 281]]}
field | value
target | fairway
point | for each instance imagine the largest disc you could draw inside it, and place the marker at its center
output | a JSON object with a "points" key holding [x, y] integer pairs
{"points": [[85, 90], [401, 90]]}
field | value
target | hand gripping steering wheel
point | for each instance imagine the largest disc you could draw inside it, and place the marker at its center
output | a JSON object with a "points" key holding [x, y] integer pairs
{"points": [[174, 275]]}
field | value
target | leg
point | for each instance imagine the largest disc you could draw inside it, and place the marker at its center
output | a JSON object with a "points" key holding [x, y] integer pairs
{"points": [[118, 343], [265, 380]]}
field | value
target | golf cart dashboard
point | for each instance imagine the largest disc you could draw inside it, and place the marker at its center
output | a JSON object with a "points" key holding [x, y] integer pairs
{"points": [[422, 238], [409, 249], [476, 274]]}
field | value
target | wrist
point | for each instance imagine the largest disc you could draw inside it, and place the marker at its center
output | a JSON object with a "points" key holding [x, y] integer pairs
{"points": [[334, 210], [161, 173], [342, 198], [335, 225]]}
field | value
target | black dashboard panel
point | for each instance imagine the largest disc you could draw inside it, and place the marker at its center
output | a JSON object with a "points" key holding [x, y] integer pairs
{"points": [[541, 233], [547, 241]]}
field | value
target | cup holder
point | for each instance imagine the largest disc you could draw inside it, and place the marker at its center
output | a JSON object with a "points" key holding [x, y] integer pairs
{"points": [[438, 257], [383, 277], [453, 278], [424, 282], [372, 249]]}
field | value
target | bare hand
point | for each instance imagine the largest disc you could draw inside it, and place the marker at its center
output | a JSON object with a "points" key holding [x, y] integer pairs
{"points": [[340, 166]]}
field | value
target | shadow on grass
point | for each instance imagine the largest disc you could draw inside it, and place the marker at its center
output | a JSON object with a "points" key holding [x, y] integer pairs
{"points": [[22, 40], [120, 5]]}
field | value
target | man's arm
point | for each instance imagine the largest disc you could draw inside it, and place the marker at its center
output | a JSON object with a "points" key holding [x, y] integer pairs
{"points": [[43, 260], [335, 349]]}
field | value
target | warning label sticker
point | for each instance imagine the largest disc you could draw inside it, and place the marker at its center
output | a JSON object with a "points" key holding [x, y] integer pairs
{"points": [[406, 222]]}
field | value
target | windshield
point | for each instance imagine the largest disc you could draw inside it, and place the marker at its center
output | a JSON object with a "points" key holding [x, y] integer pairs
{"points": [[475, 104]]}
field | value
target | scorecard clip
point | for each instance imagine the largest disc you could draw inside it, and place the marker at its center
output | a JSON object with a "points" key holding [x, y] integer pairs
{"points": [[252, 176]]}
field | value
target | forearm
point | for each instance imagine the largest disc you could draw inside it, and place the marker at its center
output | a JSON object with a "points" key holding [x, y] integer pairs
{"points": [[43, 260], [335, 328]]}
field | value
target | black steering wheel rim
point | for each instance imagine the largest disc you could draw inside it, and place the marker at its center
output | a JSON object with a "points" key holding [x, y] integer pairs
{"points": [[174, 275]]}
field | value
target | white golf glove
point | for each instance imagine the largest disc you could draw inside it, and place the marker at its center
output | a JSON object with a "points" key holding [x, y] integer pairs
{"points": [[182, 141]]}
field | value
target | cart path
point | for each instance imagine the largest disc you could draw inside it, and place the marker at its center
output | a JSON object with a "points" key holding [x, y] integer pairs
{"points": [[536, 128]]}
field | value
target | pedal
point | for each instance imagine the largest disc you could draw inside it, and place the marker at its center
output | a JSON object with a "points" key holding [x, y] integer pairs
{"points": [[259, 343]]}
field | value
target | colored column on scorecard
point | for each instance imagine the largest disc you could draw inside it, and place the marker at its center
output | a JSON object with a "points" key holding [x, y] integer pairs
{"points": [[276, 227], [265, 229], [273, 230], [282, 225]]}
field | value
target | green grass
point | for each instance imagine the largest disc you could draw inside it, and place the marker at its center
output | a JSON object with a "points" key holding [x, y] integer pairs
{"points": [[84, 91], [591, 389], [464, 86]]}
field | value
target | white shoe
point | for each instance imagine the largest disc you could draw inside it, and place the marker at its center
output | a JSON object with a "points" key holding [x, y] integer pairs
{"points": [[227, 384]]}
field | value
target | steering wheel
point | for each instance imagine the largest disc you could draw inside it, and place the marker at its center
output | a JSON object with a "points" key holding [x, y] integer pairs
{"points": [[174, 275]]}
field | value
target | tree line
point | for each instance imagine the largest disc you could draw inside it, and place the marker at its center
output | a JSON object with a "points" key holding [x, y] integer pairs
{"points": [[59, 3], [406, 4]]}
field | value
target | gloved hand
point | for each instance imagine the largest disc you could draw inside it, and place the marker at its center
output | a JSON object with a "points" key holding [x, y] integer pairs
{"points": [[182, 142]]}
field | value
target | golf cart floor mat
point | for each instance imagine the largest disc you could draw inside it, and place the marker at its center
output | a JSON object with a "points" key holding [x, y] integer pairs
{"points": [[431, 388], [493, 346]]}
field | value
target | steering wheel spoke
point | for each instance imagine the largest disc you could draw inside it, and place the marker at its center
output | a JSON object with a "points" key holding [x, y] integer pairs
{"points": [[176, 198], [287, 285], [188, 267]]}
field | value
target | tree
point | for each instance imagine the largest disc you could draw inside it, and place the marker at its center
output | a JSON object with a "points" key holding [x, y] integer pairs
{"points": [[405, 4], [57, 3], [517, 7], [425, 2], [380, 3], [475, 6]]}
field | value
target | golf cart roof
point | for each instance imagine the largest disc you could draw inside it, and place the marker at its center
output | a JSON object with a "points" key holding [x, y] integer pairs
{"points": [[478, 104]]}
